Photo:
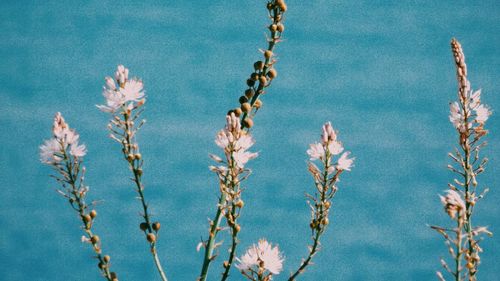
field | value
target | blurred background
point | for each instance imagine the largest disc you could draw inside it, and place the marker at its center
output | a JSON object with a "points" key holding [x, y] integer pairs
{"points": [[381, 71]]}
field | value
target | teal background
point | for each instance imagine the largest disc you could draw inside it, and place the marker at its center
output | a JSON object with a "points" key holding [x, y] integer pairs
{"points": [[381, 71]]}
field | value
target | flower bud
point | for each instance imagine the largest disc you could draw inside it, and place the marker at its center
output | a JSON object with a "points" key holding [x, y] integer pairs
{"points": [[240, 204], [94, 239], [237, 112], [270, 6], [254, 76], [237, 228], [250, 83], [327, 204], [113, 275], [138, 156], [93, 214], [246, 107], [130, 157], [258, 104], [281, 27], [243, 99], [101, 265], [156, 226], [272, 73], [87, 218], [268, 54], [151, 237], [143, 226], [249, 93], [325, 221], [262, 80], [248, 122], [258, 65], [106, 258], [273, 27], [226, 264]]}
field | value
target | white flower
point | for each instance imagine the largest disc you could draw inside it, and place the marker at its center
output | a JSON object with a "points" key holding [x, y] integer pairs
{"points": [[114, 100], [244, 142], [316, 151], [121, 74], [455, 116], [223, 139], [270, 257], [482, 113], [128, 90], [335, 147], [78, 150], [475, 99], [328, 133], [241, 157], [132, 90], [50, 151], [345, 163], [452, 203]]}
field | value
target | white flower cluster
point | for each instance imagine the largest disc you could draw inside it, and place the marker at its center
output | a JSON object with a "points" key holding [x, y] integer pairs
{"points": [[235, 142], [453, 203], [125, 94], [64, 141], [330, 146], [261, 256], [472, 108]]}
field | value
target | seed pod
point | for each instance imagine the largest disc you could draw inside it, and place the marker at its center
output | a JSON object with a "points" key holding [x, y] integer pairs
{"points": [[246, 107], [273, 27], [156, 226], [258, 65], [248, 122], [243, 99], [95, 239], [249, 93], [268, 54], [258, 104], [93, 213], [262, 80], [281, 27], [143, 226], [272, 73], [237, 112], [250, 82], [151, 237], [106, 258]]}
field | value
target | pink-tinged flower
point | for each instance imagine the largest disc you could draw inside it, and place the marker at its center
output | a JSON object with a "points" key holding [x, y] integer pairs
{"points": [[328, 134], [132, 90], [453, 203], [223, 139], [455, 115], [50, 151], [345, 163], [335, 147], [121, 74], [78, 150], [482, 113], [475, 99], [244, 142], [241, 157], [316, 151], [261, 255]]}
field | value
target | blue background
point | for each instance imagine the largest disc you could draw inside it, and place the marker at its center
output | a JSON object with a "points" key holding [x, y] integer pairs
{"points": [[381, 71]]}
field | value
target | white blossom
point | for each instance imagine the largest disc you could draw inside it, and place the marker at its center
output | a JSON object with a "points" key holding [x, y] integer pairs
{"points": [[316, 151], [455, 116], [452, 203], [241, 157], [482, 113], [78, 150], [50, 151], [263, 255], [345, 163]]}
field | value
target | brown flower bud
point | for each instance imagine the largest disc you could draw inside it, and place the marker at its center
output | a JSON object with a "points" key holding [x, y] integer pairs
{"points": [[138, 156], [151, 237], [272, 73], [282, 5], [95, 239], [226, 264], [139, 172], [281, 27], [257, 104], [470, 265], [106, 258], [240, 204], [254, 76], [273, 27], [130, 157], [262, 80], [325, 221], [143, 226], [229, 112], [93, 213], [243, 99], [237, 228], [258, 65], [237, 112], [113, 275], [270, 6], [156, 226], [87, 218], [268, 54], [327, 204], [250, 83], [249, 93], [101, 265], [248, 122], [246, 107]]}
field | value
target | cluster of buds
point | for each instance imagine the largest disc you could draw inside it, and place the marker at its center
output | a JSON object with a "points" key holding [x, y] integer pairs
{"points": [[264, 71], [260, 262], [65, 155], [468, 115]]}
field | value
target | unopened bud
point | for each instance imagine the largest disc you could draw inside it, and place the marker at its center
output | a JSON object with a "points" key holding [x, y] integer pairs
{"points": [[156, 226], [113, 275], [240, 204], [138, 156], [273, 27], [151, 237], [143, 226], [93, 214], [258, 65], [272, 73], [243, 99], [281, 27], [237, 228], [130, 157], [268, 54], [250, 83], [258, 104], [262, 80], [95, 239], [101, 265], [327, 204], [325, 221], [237, 112], [248, 122], [246, 107], [249, 93], [87, 218], [106, 258]]}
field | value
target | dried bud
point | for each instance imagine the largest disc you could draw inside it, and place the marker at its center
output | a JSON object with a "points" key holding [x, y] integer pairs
{"points": [[151, 237], [249, 93], [273, 27], [139, 172], [281, 27], [248, 122], [95, 239], [268, 54], [272, 73], [470, 265], [281, 4], [106, 258], [143, 226], [156, 226], [243, 99], [93, 214], [246, 107], [258, 65]]}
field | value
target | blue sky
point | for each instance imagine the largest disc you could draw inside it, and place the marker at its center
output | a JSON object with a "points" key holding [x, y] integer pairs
{"points": [[381, 72]]}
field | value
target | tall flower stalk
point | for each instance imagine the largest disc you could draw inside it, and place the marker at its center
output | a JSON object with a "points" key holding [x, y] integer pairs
{"points": [[64, 153], [230, 203], [468, 115], [325, 180], [124, 101]]}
